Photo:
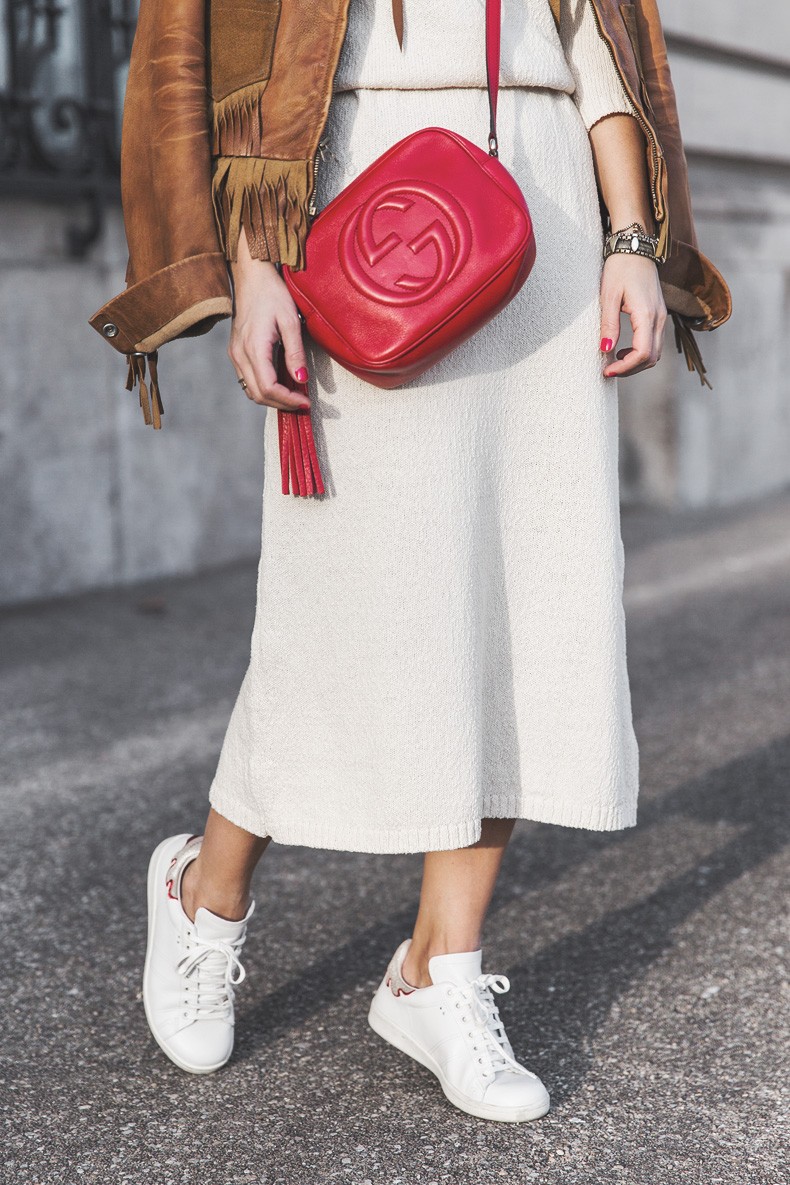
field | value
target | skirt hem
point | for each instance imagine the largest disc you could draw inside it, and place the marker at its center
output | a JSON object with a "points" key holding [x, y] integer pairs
{"points": [[437, 838]]}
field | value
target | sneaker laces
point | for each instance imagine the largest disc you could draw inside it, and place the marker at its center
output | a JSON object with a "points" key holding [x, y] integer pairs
{"points": [[211, 970], [487, 1031]]}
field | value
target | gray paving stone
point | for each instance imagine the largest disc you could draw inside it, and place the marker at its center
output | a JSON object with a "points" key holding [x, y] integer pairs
{"points": [[648, 967]]}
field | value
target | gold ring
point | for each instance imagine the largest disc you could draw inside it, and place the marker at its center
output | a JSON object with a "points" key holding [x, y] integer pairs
{"points": [[243, 383]]}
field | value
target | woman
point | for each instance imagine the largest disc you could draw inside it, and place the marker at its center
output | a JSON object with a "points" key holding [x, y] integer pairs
{"points": [[439, 646]]}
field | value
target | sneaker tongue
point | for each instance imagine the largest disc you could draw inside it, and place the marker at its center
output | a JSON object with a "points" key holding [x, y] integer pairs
{"points": [[209, 925], [456, 968]]}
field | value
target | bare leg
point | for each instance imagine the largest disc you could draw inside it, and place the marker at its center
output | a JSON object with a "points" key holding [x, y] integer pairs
{"points": [[456, 891], [219, 879]]}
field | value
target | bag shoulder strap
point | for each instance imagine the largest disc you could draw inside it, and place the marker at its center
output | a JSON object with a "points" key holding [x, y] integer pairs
{"points": [[493, 46]]}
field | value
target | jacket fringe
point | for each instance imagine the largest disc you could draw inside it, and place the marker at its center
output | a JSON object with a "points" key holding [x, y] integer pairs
{"points": [[270, 199], [687, 346], [237, 129], [150, 399]]}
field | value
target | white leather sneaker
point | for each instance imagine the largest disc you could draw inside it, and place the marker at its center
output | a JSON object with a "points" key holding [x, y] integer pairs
{"points": [[191, 968], [453, 1028]]}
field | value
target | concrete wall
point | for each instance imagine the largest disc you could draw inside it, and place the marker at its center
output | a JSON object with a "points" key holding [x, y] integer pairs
{"points": [[682, 445], [91, 497]]}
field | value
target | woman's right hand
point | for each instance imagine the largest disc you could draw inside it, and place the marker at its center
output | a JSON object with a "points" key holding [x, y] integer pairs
{"points": [[264, 313]]}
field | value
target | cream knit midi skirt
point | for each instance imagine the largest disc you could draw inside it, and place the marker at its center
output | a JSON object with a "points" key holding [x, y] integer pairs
{"points": [[441, 637]]}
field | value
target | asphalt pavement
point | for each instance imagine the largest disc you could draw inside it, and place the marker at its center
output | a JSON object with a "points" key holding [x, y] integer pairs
{"points": [[648, 967]]}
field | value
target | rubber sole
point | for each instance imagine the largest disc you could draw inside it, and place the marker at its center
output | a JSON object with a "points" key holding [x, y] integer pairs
{"points": [[402, 1041], [154, 906]]}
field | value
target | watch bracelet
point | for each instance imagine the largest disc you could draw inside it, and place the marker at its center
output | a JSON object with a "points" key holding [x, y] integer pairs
{"points": [[631, 240]]}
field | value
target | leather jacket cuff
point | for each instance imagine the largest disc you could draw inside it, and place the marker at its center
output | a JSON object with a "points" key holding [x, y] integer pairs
{"points": [[182, 300]]}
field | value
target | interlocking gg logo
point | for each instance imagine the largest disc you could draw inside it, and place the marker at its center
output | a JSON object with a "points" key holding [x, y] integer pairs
{"points": [[405, 242]]}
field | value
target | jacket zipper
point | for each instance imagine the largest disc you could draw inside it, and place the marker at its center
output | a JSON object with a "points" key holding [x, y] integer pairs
{"points": [[661, 214], [318, 157]]}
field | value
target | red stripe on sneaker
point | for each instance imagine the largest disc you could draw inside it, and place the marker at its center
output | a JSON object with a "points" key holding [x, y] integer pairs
{"points": [[399, 991]]}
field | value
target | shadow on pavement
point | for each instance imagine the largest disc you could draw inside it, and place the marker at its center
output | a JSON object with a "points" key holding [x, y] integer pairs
{"points": [[589, 970]]}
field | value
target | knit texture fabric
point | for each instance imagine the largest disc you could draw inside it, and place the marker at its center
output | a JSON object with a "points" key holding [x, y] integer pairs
{"points": [[443, 46], [441, 638]]}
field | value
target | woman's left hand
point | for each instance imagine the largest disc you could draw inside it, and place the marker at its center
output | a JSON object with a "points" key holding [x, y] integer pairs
{"points": [[630, 284]]}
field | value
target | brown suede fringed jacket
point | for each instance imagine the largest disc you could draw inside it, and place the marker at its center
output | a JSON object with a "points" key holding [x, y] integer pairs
{"points": [[225, 105]]}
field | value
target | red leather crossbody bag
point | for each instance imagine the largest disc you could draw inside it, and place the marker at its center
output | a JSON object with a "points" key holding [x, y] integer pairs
{"points": [[410, 259]]}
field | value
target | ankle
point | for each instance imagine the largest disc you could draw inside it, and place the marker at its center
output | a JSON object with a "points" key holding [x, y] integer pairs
{"points": [[415, 970], [226, 901], [415, 965]]}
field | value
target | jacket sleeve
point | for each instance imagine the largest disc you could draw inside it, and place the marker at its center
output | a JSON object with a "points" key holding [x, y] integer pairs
{"points": [[694, 289], [599, 90], [176, 280], [270, 89]]}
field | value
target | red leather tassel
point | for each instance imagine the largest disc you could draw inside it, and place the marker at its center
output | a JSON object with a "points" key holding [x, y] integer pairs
{"points": [[295, 457], [283, 426], [299, 467], [309, 452]]}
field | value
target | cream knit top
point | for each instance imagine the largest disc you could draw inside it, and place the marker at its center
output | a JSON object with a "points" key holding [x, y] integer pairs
{"points": [[444, 46]]}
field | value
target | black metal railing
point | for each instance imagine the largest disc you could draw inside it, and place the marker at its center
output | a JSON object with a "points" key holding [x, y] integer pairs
{"points": [[63, 67]]}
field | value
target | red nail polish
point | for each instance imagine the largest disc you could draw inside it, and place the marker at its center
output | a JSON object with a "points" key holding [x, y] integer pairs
{"points": [[606, 345], [301, 374]]}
